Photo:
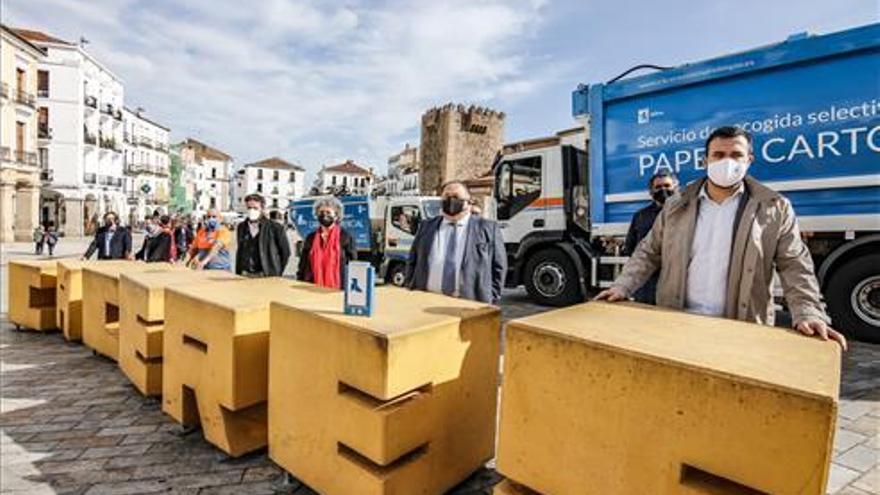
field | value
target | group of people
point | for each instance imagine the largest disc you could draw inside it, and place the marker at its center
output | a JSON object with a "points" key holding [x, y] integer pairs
{"points": [[45, 235], [263, 247], [711, 248]]}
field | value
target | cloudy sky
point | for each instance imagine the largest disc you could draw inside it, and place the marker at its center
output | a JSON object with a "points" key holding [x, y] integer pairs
{"points": [[317, 82]]}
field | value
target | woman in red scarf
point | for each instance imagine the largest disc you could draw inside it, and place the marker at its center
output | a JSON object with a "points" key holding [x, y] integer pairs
{"points": [[326, 251]]}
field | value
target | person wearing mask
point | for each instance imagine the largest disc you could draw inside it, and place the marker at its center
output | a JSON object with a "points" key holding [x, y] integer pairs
{"points": [[718, 243], [159, 243], [326, 251], [210, 248], [262, 246], [458, 253], [112, 241], [662, 185]]}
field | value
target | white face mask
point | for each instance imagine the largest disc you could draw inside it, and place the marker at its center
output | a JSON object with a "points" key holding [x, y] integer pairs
{"points": [[727, 172], [253, 214]]}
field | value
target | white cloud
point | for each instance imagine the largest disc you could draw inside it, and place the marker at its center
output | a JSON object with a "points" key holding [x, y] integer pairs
{"points": [[315, 81]]}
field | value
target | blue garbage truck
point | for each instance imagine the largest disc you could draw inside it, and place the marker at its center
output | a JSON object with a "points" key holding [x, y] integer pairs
{"points": [[812, 104]]}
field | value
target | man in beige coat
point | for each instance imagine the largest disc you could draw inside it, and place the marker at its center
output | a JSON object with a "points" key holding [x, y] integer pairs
{"points": [[717, 244]]}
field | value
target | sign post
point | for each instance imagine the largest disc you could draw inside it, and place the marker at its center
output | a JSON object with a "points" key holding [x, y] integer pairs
{"points": [[360, 284]]}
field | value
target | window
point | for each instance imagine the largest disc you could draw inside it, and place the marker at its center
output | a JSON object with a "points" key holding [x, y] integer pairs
{"points": [[43, 83], [259, 187], [274, 202], [213, 202], [519, 184], [292, 177], [213, 172], [333, 180], [275, 175], [259, 174], [344, 181], [406, 218]]}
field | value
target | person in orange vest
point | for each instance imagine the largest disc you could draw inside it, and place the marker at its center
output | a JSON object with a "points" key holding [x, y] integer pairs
{"points": [[210, 248]]}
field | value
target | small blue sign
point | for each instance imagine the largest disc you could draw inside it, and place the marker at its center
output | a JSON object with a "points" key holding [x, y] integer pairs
{"points": [[360, 284]]}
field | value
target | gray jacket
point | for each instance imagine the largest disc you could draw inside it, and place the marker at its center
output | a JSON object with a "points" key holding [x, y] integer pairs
{"points": [[765, 239], [484, 265]]}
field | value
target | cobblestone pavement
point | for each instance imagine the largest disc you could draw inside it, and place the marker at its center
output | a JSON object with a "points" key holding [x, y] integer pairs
{"points": [[71, 423]]}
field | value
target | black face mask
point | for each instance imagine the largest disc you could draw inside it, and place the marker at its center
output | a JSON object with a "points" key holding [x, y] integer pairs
{"points": [[660, 195], [453, 206], [326, 219]]}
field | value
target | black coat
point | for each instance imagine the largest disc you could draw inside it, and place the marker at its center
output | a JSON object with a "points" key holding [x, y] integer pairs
{"points": [[347, 251], [120, 244], [157, 248], [642, 222], [274, 247]]}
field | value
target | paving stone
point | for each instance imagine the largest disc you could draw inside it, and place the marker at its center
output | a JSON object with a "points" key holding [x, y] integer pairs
{"points": [[127, 430], [870, 481], [845, 439], [132, 487], [840, 477], [98, 452], [861, 458], [216, 478], [90, 442]]}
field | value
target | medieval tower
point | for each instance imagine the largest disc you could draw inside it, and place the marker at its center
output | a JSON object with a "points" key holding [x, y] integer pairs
{"points": [[458, 142]]}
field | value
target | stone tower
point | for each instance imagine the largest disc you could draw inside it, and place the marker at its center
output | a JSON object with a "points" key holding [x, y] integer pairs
{"points": [[458, 142]]}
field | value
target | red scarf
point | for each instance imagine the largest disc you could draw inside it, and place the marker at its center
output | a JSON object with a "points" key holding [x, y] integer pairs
{"points": [[325, 259]]}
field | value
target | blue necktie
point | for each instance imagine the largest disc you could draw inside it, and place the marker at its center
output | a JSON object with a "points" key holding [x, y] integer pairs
{"points": [[449, 269]]}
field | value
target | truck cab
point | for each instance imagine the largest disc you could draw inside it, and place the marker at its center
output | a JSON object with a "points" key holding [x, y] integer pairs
{"points": [[401, 218], [540, 202]]}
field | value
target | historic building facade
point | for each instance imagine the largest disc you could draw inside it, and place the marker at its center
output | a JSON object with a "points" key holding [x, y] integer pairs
{"points": [[147, 164], [80, 103], [209, 173], [344, 178], [458, 142], [277, 180], [403, 173], [20, 132]]}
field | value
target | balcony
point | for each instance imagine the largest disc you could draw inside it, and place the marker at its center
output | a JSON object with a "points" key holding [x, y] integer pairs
{"points": [[117, 114], [146, 142], [89, 138], [133, 168], [107, 180], [28, 158], [44, 132], [46, 175], [90, 178], [91, 102], [27, 99], [108, 143], [42, 93], [5, 154], [4, 90], [126, 137]]}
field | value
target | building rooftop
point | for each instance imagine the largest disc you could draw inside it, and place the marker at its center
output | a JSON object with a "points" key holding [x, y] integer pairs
{"points": [[15, 34], [203, 151], [141, 116], [275, 162], [35, 36], [349, 167]]}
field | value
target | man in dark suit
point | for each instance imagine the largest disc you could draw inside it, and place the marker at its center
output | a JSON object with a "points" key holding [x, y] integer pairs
{"points": [[263, 249], [457, 253], [663, 184], [112, 241]]}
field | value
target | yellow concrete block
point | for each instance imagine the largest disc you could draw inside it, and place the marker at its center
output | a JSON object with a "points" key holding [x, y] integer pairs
{"points": [[68, 310], [507, 487], [216, 350], [624, 398], [31, 289], [100, 286], [141, 320], [403, 402]]}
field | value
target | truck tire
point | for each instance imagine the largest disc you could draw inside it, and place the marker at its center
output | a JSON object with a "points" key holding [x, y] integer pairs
{"points": [[396, 274], [551, 278], [853, 296]]}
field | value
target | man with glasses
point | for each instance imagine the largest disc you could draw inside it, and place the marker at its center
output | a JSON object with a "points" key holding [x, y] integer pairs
{"points": [[112, 241]]}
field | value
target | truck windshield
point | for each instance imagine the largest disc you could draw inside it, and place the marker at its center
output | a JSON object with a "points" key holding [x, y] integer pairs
{"points": [[432, 208]]}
